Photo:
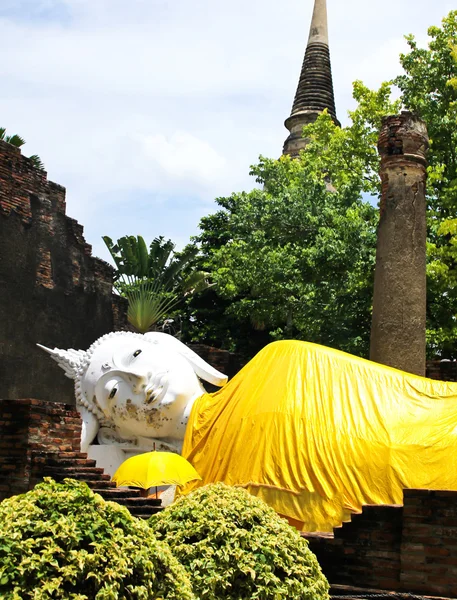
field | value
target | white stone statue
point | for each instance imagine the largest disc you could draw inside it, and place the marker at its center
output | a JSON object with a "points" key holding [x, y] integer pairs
{"points": [[136, 391]]}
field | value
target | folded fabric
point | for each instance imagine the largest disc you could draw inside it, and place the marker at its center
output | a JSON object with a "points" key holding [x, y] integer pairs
{"points": [[318, 433]]}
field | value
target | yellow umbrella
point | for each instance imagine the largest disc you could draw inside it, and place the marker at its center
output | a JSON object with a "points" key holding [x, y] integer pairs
{"points": [[153, 469]]}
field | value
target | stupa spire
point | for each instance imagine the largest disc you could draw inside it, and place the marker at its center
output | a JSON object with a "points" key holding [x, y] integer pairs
{"points": [[319, 25], [315, 87]]}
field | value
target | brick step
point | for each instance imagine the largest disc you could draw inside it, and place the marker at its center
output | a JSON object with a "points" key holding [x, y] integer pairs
{"points": [[77, 470], [71, 462], [76, 465], [92, 483], [60, 474], [99, 486], [68, 454], [117, 494], [143, 511]]}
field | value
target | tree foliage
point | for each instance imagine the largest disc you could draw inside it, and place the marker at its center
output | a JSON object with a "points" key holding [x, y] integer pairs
{"points": [[234, 546], [299, 258], [348, 156], [64, 541], [153, 280], [316, 285], [295, 257]]}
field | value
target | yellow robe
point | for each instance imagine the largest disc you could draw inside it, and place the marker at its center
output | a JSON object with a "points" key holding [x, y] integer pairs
{"points": [[317, 433]]}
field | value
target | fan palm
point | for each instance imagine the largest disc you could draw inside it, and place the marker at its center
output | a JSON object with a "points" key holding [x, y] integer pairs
{"points": [[154, 281]]}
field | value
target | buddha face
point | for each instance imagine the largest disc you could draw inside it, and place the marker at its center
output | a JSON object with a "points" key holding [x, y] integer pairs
{"points": [[140, 387]]}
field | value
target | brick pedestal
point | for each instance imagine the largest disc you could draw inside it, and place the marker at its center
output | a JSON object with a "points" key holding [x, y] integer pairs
{"points": [[410, 548], [28, 427]]}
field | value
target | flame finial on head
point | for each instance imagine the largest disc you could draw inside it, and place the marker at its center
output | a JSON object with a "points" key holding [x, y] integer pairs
{"points": [[74, 364], [70, 360]]}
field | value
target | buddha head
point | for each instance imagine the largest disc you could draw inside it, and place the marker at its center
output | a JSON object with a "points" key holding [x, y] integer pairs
{"points": [[139, 385]]}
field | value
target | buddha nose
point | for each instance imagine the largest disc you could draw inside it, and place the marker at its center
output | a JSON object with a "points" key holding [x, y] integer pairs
{"points": [[150, 395], [139, 383], [155, 388]]}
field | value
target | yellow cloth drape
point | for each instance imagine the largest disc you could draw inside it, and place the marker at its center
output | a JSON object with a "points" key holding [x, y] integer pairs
{"points": [[317, 433]]}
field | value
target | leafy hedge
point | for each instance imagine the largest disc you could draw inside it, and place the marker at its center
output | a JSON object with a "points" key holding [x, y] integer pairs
{"points": [[64, 541], [235, 546]]}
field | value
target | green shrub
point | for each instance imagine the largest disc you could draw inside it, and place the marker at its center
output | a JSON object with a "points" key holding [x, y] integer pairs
{"points": [[235, 546], [64, 541]]}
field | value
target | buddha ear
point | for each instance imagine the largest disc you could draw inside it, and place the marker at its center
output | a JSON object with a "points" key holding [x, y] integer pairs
{"points": [[200, 366], [71, 361]]}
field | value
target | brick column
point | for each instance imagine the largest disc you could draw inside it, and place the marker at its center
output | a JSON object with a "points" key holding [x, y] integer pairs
{"points": [[399, 301]]}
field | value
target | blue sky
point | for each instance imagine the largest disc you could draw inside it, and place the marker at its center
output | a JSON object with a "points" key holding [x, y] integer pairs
{"points": [[147, 110]]}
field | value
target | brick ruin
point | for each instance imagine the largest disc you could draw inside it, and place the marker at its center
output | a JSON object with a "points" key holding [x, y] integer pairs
{"points": [[42, 439], [442, 370], [409, 548], [53, 289], [28, 427]]}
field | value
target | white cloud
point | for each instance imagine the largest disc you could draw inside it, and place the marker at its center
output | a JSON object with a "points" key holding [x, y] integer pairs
{"points": [[183, 156], [147, 109]]}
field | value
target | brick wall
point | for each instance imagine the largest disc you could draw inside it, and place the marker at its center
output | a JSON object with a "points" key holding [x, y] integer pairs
{"points": [[29, 428], [429, 542], [410, 549], [53, 291], [442, 370], [364, 552]]}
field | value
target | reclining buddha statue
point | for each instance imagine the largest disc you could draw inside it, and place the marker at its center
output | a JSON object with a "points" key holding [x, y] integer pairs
{"points": [[136, 390], [315, 432]]}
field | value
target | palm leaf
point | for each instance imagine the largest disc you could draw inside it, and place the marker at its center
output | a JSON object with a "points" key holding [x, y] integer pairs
{"points": [[15, 140], [128, 250], [143, 257], [120, 276], [37, 162], [160, 252], [172, 275], [148, 304], [196, 282], [154, 281]]}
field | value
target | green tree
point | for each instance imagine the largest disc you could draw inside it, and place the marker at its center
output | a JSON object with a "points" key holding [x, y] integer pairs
{"points": [[295, 258], [18, 141], [347, 160], [153, 280], [234, 546], [62, 541], [348, 155], [300, 257], [429, 88]]}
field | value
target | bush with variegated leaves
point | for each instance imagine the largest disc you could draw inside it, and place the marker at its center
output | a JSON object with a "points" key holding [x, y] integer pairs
{"points": [[235, 546], [62, 541]]}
